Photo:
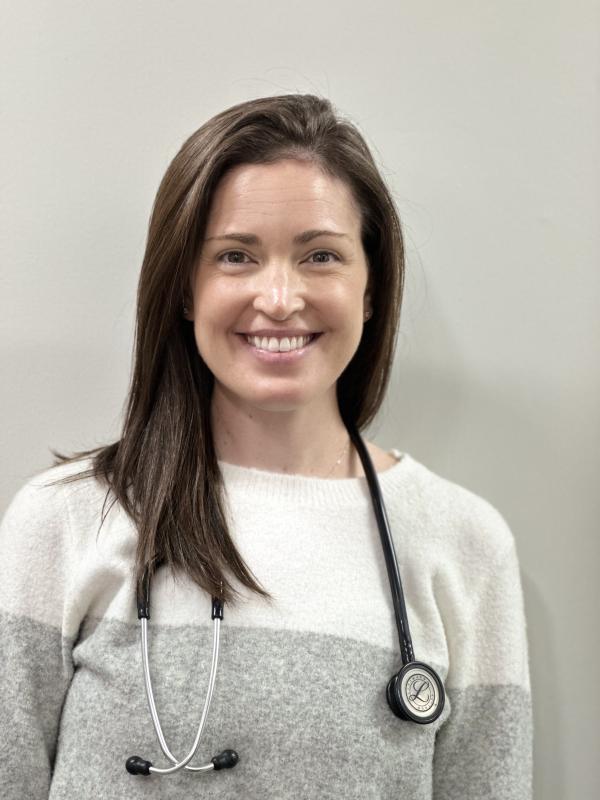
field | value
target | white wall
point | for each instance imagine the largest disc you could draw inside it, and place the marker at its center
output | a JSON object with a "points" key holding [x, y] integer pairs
{"points": [[484, 118]]}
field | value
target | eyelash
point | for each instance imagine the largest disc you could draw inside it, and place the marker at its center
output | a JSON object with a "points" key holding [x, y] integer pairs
{"points": [[234, 263]]}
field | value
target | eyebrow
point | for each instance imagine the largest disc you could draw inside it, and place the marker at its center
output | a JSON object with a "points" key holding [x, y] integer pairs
{"points": [[301, 238]]}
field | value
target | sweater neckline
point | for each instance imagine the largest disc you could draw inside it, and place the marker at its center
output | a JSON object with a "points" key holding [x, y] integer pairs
{"points": [[261, 485]]}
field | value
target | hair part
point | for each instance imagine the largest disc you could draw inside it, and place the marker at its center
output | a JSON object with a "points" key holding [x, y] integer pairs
{"points": [[163, 469]]}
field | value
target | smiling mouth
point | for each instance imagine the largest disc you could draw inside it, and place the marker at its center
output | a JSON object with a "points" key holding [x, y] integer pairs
{"points": [[264, 342]]}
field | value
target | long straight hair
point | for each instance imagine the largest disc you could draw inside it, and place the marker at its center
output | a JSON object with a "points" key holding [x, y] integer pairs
{"points": [[163, 469]]}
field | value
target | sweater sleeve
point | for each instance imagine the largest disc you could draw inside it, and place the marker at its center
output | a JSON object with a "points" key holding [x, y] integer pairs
{"points": [[35, 661], [484, 747]]}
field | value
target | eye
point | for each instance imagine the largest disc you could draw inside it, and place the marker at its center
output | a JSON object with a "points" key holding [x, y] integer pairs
{"points": [[326, 253], [242, 254], [228, 253]]}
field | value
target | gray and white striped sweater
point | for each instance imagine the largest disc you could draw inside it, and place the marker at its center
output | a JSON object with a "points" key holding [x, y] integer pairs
{"points": [[300, 689]]}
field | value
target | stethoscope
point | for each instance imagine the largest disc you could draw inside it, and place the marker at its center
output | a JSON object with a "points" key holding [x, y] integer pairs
{"points": [[415, 693]]}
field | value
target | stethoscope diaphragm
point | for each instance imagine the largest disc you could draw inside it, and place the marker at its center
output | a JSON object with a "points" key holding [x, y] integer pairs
{"points": [[416, 693]]}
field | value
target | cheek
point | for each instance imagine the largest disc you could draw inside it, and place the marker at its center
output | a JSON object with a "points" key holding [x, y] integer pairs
{"points": [[209, 336], [214, 333], [218, 304]]}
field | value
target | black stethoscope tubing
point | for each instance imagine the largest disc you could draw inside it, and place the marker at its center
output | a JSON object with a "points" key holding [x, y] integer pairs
{"points": [[415, 693], [406, 648]]}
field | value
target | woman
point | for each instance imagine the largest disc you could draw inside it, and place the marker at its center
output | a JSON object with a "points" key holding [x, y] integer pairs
{"points": [[267, 314]]}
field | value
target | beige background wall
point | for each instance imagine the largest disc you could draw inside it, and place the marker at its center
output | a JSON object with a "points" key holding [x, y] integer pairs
{"points": [[484, 118]]}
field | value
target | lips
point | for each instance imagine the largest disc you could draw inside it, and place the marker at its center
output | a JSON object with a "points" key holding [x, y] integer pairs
{"points": [[312, 337], [279, 334], [277, 356]]}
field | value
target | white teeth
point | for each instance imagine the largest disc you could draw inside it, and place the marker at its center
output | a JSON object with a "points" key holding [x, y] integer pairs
{"points": [[278, 345]]}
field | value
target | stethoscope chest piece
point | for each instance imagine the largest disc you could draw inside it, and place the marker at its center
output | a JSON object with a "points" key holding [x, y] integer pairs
{"points": [[416, 693]]}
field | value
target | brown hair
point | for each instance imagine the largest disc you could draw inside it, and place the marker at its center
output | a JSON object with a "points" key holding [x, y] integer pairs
{"points": [[164, 469]]}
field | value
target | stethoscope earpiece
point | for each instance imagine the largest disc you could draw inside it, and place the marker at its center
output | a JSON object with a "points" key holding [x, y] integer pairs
{"points": [[416, 693]]}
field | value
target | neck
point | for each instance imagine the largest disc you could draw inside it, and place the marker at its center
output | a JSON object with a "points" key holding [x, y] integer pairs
{"points": [[306, 440]]}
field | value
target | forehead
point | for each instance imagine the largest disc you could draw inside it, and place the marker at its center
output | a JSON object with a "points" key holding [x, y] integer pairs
{"points": [[286, 191]]}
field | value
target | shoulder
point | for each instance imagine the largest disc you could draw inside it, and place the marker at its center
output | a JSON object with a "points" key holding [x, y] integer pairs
{"points": [[454, 520], [43, 534], [50, 497]]}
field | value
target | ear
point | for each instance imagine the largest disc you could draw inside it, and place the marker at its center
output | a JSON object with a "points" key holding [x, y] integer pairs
{"points": [[187, 305], [186, 310]]}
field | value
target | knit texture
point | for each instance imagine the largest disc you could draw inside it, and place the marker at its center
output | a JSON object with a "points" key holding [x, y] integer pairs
{"points": [[300, 686]]}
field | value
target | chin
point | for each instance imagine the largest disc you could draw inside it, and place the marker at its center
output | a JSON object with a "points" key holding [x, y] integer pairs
{"points": [[281, 403]]}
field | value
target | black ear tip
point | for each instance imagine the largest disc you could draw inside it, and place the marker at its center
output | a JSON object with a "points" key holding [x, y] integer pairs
{"points": [[136, 765], [226, 759]]}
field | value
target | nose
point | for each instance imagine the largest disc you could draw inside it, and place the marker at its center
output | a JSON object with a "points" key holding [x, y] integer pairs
{"points": [[278, 292]]}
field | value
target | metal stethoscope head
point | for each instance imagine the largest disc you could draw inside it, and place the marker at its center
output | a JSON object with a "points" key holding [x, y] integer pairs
{"points": [[415, 693]]}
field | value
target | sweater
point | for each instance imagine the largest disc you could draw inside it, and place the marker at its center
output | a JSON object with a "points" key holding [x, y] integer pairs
{"points": [[300, 690]]}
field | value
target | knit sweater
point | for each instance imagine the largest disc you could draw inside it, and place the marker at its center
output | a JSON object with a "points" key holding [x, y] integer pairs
{"points": [[300, 686]]}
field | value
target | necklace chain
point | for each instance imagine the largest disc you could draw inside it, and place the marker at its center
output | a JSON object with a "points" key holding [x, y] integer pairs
{"points": [[339, 459], [336, 463]]}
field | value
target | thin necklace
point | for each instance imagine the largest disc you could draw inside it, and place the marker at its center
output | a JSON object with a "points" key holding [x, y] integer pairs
{"points": [[334, 466], [339, 459]]}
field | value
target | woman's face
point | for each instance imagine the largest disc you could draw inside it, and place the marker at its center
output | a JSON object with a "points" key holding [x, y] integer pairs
{"points": [[270, 282]]}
